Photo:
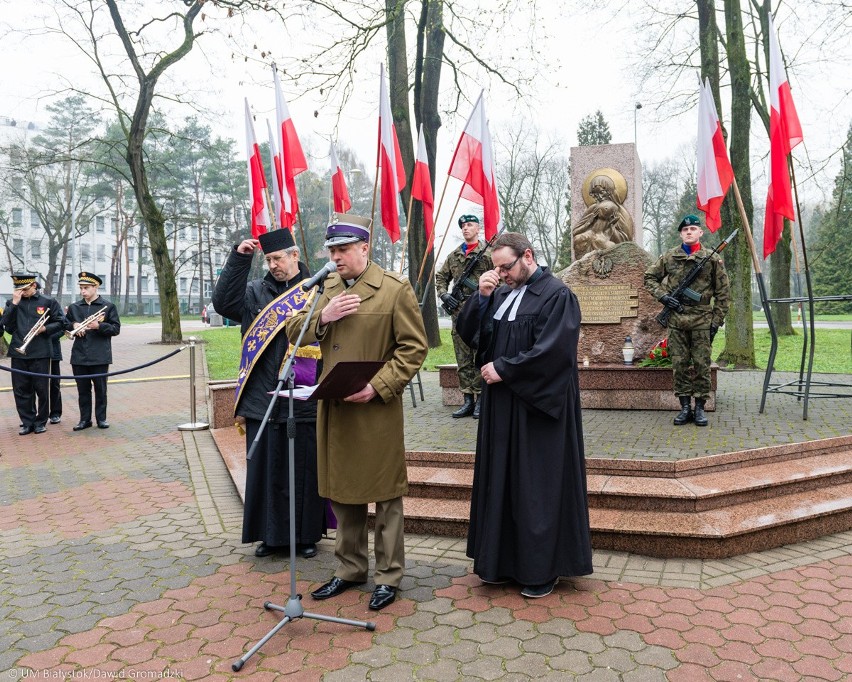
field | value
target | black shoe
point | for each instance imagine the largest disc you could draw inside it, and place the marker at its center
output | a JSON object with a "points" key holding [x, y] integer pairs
{"points": [[476, 407], [685, 414], [55, 420], [334, 587], [537, 591], [103, 425], [265, 550], [39, 428], [82, 425], [24, 430], [700, 417], [466, 409], [307, 551], [383, 596]]}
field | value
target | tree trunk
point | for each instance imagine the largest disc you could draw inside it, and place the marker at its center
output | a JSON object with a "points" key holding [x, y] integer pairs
{"points": [[399, 85], [739, 335]]}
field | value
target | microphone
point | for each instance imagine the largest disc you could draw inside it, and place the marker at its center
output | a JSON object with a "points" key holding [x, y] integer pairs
{"points": [[326, 270]]}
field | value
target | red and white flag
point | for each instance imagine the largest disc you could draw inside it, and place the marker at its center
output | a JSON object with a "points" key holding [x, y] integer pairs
{"points": [[342, 204], [421, 189], [785, 132], [275, 165], [292, 158], [390, 160], [715, 174], [260, 222], [473, 164]]}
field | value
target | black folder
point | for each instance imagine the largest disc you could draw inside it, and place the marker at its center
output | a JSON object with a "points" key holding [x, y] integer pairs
{"points": [[346, 378]]}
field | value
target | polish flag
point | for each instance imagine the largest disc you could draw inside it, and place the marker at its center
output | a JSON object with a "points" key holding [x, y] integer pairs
{"points": [[275, 164], [785, 132], [257, 181], [715, 174], [292, 158], [473, 164], [421, 189], [390, 160], [338, 184]]}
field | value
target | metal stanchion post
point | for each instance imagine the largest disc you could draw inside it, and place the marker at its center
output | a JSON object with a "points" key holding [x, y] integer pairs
{"points": [[192, 425]]}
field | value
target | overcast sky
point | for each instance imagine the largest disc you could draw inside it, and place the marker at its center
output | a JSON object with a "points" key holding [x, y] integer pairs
{"points": [[593, 62]]}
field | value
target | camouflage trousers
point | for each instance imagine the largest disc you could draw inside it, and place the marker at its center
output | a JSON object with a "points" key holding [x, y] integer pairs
{"points": [[470, 380], [690, 351]]}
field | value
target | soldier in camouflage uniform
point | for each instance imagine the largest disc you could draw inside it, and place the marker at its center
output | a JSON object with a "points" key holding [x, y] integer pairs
{"points": [[469, 377], [692, 325]]}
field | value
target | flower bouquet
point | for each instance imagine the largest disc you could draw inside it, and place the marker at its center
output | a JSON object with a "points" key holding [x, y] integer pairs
{"points": [[658, 356]]}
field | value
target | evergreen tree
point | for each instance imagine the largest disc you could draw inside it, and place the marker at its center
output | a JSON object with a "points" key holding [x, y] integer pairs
{"points": [[593, 129], [831, 251]]}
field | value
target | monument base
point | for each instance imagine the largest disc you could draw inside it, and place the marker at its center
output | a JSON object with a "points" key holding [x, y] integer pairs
{"points": [[606, 387], [629, 387]]}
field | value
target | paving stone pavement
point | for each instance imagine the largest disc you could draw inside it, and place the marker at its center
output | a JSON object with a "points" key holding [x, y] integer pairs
{"points": [[120, 557]]}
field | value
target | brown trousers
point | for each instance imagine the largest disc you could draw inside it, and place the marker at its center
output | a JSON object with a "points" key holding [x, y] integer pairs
{"points": [[351, 545]]}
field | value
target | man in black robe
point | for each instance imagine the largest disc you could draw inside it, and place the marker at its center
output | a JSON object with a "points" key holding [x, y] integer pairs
{"points": [[266, 510], [529, 518]]}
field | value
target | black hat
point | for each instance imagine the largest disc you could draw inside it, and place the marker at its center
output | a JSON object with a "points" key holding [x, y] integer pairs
{"points": [[468, 218], [276, 240], [89, 278], [689, 220], [345, 228], [21, 280]]}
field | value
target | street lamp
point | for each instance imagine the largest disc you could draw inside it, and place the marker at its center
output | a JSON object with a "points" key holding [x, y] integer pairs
{"points": [[637, 108]]}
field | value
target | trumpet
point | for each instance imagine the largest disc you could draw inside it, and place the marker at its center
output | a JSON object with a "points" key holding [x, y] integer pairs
{"points": [[40, 322], [94, 317]]}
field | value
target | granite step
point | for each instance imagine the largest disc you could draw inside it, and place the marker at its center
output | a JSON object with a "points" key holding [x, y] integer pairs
{"points": [[719, 489], [431, 516], [724, 532], [440, 483]]}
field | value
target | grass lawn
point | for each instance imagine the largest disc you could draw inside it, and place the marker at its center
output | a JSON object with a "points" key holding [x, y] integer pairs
{"points": [[833, 354]]}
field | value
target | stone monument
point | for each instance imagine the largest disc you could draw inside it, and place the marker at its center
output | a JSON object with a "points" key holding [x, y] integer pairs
{"points": [[606, 196]]}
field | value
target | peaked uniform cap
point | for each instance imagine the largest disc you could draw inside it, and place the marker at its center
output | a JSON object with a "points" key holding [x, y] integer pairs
{"points": [[89, 278], [276, 240], [21, 280], [345, 228]]}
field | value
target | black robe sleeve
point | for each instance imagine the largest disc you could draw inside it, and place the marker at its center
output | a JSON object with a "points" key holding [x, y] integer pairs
{"points": [[542, 375]]}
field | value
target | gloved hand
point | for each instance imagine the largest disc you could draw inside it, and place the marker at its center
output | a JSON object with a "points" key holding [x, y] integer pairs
{"points": [[671, 302], [450, 303], [713, 329]]}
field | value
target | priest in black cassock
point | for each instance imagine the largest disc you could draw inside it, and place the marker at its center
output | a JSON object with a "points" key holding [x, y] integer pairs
{"points": [[529, 516]]}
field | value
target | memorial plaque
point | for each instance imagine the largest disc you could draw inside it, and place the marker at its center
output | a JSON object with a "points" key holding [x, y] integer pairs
{"points": [[606, 303]]}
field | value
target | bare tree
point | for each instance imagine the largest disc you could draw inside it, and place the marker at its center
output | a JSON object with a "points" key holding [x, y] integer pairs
{"points": [[661, 185]]}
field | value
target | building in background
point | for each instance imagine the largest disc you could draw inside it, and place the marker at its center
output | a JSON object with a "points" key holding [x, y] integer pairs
{"points": [[107, 241]]}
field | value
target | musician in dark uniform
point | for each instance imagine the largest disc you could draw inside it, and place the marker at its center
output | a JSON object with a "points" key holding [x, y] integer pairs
{"points": [[92, 322], [32, 319]]}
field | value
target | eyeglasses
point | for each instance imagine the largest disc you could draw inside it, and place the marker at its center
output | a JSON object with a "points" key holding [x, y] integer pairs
{"points": [[505, 269]]}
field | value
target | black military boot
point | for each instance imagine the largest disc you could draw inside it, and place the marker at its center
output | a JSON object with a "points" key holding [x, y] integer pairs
{"points": [[466, 409], [700, 417], [685, 414], [476, 407]]}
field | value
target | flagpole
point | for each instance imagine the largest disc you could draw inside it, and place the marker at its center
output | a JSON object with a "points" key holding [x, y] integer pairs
{"points": [[373, 208], [268, 204], [435, 220], [302, 232], [435, 259], [407, 228]]}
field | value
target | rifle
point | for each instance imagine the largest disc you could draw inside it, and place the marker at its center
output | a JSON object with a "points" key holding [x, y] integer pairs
{"points": [[683, 290], [457, 291]]}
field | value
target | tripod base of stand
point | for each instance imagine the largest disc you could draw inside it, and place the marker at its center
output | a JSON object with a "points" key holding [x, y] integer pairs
{"points": [[291, 612]]}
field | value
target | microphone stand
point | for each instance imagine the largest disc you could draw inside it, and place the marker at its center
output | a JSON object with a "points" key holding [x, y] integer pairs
{"points": [[294, 609]]}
